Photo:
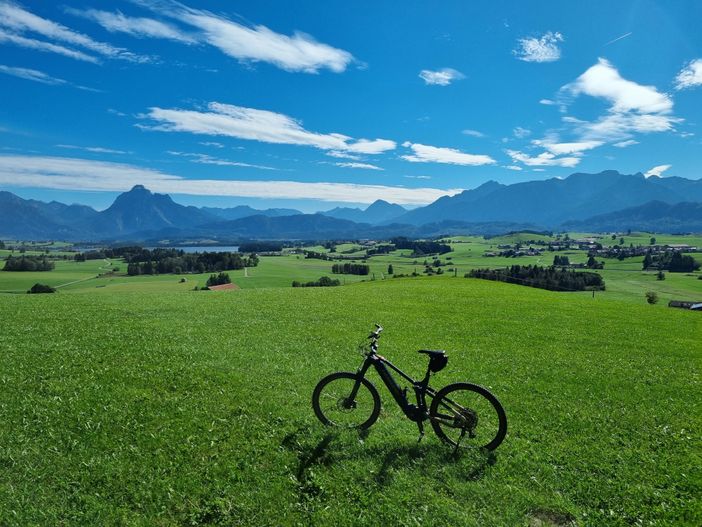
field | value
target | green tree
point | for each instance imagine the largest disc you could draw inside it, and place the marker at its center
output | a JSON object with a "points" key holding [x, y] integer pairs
{"points": [[651, 297], [652, 241], [390, 269], [660, 275], [647, 261]]}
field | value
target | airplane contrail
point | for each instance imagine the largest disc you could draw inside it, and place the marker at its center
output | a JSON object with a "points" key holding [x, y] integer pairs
{"points": [[618, 38]]}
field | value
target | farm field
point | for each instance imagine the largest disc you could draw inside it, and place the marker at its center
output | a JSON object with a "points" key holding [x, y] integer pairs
{"points": [[147, 408], [624, 279]]}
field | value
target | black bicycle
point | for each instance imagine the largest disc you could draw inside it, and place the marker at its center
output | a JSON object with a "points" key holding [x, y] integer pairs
{"points": [[461, 414]]}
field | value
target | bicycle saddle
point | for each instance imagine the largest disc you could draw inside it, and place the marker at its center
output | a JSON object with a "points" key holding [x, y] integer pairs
{"points": [[433, 353]]}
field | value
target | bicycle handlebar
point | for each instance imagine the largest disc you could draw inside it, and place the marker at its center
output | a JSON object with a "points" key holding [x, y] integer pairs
{"points": [[376, 334]]}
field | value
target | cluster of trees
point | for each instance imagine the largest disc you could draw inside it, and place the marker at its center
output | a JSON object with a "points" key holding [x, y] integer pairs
{"points": [[2, 244], [561, 260], [351, 268], [219, 279], [28, 263], [594, 264], [317, 256], [380, 249], [550, 278], [324, 281], [41, 288], [420, 247], [673, 261], [162, 261]]}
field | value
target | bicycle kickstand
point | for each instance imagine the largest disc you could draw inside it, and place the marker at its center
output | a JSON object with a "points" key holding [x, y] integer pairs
{"points": [[420, 425]]}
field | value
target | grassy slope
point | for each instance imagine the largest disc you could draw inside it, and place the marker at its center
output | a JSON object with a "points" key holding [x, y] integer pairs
{"points": [[192, 408]]}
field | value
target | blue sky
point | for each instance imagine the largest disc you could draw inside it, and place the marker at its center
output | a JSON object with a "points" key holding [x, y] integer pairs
{"points": [[317, 104]]}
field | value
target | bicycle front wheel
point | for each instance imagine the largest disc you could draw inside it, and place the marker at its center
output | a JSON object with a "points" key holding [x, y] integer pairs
{"points": [[468, 415], [344, 400]]}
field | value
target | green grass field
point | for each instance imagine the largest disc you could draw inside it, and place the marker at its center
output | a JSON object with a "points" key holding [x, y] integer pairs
{"points": [[192, 408]]}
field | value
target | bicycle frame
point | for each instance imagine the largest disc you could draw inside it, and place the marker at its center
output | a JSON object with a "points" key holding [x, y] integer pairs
{"points": [[415, 412]]}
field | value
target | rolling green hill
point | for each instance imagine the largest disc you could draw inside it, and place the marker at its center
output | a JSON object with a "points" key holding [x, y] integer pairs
{"points": [[191, 408]]}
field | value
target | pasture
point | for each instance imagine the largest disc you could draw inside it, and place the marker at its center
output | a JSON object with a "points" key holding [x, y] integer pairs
{"points": [[191, 408]]}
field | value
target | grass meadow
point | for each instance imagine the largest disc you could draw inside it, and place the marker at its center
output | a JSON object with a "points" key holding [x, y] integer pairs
{"points": [[167, 407]]}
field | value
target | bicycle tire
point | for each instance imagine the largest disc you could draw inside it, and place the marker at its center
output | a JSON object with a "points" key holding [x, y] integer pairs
{"points": [[464, 411], [332, 389]]}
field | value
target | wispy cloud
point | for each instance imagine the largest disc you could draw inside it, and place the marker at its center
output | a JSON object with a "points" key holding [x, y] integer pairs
{"points": [[473, 133], [40, 45], [619, 38], [16, 21], [139, 27], [657, 171], [343, 155], [213, 144], [547, 102], [81, 174], [521, 133], [624, 144], [558, 148], [94, 149], [205, 159], [512, 167], [39, 76], [690, 76], [442, 77], [539, 49], [257, 125], [244, 42], [367, 166], [451, 156], [543, 159]]}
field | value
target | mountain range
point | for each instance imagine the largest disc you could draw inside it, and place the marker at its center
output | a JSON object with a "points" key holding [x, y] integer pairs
{"points": [[608, 201]]}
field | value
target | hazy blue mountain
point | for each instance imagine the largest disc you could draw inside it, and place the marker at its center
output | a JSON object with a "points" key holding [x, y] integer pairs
{"points": [[554, 201], [30, 219], [140, 209], [242, 211], [654, 216], [380, 211]]}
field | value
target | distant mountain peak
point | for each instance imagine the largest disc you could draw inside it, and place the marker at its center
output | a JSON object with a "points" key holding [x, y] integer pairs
{"points": [[139, 188]]}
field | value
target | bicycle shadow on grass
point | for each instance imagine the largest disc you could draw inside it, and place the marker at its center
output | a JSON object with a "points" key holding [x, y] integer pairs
{"points": [[323, 448]]}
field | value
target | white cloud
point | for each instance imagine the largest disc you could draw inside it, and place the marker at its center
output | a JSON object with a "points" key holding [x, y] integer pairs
{"points": [[94, 149], [255, 43], [690, 75], [520, 132], [603, 80], [634, 108], [418, 177], [358, 165], [343, 155], [81, 174], [657, 171], [547, 102], [624, 144], [136, 26], [257, 125], [211, 143], [543, 159], [473, 133], [442, 77], [205, 159], [543, 49], [567, 148], [512, 167], [16, 20], [451, 156]]}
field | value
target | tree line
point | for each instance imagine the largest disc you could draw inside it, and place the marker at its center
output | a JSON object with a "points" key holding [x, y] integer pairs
{"points": [[673, 261], [419, 247], [28, 263], [551, 278], [324, 281], [351, 268], [164, 263]]}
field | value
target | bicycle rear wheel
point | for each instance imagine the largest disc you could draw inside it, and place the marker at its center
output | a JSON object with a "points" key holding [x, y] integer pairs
{"points": [[334, 406], [468, 415]]}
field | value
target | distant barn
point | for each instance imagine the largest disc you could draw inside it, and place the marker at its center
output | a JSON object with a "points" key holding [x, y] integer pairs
{"points": [[682, 304]]}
